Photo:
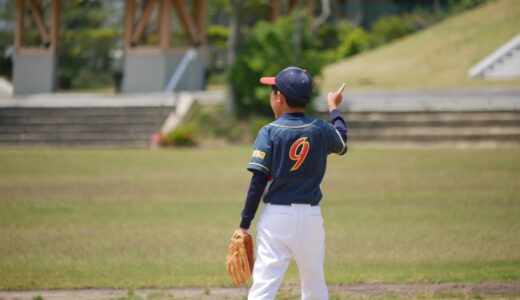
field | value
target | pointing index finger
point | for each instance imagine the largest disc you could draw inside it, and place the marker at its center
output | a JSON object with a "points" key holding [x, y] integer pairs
{"points": [[340, 90]]}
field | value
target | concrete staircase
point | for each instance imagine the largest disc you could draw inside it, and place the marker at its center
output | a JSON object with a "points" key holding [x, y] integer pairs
{"points": [[80, 126], [434, 127], [133, 126]]}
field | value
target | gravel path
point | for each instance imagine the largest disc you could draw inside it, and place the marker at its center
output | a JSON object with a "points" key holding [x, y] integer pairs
{"points": [[511, 290]]}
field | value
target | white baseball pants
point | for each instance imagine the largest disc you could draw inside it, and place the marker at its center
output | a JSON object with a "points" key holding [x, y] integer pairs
{"points": [[284, 232]]}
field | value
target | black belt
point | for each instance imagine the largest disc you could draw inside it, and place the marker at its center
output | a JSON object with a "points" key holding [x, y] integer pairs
{"points": [[289, 204]]}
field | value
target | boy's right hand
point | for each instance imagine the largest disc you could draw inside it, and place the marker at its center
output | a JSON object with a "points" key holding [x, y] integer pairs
{"points": [[334, 98]]}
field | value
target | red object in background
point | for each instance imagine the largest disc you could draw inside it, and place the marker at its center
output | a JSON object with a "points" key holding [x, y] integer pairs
{"points": [[155, 140]]}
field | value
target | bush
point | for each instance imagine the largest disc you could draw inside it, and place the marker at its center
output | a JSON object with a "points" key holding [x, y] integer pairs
{"points": [[268, 51], [389, 28], [181, 136], [356, 41], [213, 122], [328, 36]]}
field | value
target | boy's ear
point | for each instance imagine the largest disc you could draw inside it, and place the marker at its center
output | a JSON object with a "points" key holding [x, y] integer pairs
{"points": [[280, 97]]}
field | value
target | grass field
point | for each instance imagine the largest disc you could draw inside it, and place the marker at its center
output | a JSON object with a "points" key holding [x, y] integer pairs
{"points": [[140, 218], [438, 57]]}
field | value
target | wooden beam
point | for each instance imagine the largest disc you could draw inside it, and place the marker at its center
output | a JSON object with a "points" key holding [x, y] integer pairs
{"points": [[128, 25], [20, 17], [164, 24], [141, 24], [187, 22], [199, 15], [55, 25], [38, 17]]}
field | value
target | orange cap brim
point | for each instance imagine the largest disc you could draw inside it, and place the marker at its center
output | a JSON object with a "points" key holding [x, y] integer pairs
{"points": [[268, 80]]}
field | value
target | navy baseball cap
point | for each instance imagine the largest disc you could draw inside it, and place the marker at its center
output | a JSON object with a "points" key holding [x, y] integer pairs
{"points": [[294, 83]]}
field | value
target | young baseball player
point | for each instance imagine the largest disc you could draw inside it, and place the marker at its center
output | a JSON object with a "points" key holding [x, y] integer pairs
{"points": [[288, 164]]}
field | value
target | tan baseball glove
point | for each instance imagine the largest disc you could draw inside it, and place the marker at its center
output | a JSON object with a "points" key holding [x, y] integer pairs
{"points": [[240, 258]]}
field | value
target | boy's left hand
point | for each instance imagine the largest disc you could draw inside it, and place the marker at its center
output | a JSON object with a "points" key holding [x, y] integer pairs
{"points": [[240, 259]]}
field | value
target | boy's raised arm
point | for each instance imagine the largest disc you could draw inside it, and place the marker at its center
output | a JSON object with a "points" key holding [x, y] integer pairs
{"points": [[334, 100]]}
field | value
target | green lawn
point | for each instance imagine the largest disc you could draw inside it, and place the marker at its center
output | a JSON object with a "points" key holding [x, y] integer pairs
{"points": [[141, 218], [436, 58]]}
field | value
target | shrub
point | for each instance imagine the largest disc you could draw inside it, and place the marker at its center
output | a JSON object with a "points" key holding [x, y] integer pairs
{"points": [[328, 36], [389, 28], [181, 136], [356, 41]]}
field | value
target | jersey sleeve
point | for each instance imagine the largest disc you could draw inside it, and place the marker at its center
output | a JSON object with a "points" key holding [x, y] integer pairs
{"points": [[336, 143], [254, 195], [262, 153]]}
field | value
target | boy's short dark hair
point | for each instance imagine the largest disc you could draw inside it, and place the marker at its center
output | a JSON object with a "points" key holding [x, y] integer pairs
{"points": [[291, 102]]}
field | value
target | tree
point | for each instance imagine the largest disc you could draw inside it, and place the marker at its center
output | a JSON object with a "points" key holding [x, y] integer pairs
{"points": [[85, 44], [7, 9], [243, 14], [269, 50]]}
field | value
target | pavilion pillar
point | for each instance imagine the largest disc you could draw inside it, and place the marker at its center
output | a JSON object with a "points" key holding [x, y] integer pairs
{"points": [[35, 63], [148, 68]]}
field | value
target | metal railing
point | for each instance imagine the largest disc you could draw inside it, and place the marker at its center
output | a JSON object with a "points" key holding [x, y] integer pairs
{"points": [[190, 55]]}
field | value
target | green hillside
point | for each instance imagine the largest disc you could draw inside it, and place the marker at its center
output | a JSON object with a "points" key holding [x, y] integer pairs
{"points": [[435, 58]]}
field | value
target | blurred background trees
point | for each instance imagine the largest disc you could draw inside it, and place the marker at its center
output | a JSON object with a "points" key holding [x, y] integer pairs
{"points": [[265, 53], [243, 45], [7, 9], [88, 45]]}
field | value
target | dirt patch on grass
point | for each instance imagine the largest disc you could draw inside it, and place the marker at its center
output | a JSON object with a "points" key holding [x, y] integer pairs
{"points": [[510, 290], [382, 289]]}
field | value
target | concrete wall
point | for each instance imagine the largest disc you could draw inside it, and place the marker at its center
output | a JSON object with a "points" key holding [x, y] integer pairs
{"points": [[34, 73], [508, 68], [150, 72]]}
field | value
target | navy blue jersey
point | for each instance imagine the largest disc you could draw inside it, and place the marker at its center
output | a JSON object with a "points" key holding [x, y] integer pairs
{"points": [[292, 151]]}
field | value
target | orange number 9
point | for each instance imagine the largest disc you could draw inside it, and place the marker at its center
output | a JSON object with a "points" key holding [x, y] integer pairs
{"points": [[298, 152]]}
